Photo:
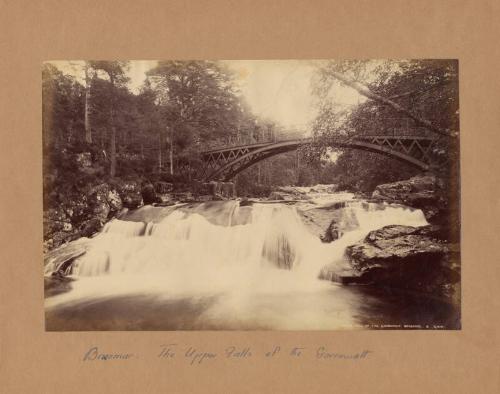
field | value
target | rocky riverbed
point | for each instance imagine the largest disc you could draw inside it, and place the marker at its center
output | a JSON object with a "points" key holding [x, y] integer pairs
{"points": [[423, 259], [419, 259], [83, 212]]}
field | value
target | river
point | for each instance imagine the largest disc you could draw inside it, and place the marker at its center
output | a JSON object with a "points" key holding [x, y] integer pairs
{"points": [[221, 266]]}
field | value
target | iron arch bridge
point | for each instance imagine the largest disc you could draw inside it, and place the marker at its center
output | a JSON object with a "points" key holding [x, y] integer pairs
{"points": [[224, 163]]}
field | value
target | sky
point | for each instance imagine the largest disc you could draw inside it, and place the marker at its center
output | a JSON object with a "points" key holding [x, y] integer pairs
{"points": [[278, 90], [281, 89]]}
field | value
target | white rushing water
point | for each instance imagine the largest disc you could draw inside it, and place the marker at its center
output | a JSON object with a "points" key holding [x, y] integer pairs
{"points": [[269, 253]]}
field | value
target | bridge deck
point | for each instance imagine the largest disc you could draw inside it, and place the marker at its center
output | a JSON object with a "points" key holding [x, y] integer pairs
{"points": [[226, 162], [305, 140]]}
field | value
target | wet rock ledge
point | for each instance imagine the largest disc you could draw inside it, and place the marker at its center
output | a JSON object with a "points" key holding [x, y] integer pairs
{"points": [[424, 260], [408, 258]]}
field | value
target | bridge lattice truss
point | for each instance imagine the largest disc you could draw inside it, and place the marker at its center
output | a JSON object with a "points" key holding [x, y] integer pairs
{"points": [[225, 163]]}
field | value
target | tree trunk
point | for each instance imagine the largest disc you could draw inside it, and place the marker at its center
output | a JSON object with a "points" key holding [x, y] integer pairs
{"points": [[112, 171], [159, 151], [298, 166], [368, 93], [88, 131], [70, 131], [171, 151], [104, 138]]}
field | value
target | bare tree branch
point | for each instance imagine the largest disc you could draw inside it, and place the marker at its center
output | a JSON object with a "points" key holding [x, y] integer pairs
{"points": [[362, 89], [419, 91]]}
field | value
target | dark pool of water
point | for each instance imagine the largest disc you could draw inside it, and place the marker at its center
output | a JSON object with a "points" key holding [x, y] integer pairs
{"points": [[334, 307]]}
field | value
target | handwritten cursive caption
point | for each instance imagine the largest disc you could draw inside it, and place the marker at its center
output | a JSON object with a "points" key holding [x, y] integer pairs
{"points": [[197, 356]]}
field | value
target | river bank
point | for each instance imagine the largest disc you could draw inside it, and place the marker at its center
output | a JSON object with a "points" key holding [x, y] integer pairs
{"points": [[83, 211]]}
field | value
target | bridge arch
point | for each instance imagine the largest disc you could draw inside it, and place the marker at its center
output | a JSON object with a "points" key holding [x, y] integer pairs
{"points": [[225, 163]]}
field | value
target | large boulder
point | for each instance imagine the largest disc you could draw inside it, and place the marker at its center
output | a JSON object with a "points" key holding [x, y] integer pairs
{"points": [[332, 233], [405, 257], [103, 203], [114, 201], [424, 192], [98, 201], [392, 245], [91, 226], [148, 193], [130, 193], [132, 201]]}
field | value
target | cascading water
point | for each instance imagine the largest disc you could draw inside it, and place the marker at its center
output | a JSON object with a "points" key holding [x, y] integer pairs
{"points": [[251, 259]]}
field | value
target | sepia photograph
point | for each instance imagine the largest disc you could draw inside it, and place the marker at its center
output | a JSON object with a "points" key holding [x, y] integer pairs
{"points": [[312, 194]]}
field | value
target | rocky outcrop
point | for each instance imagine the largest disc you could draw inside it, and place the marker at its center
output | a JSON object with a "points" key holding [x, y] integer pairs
{"points": [[59, 259], [148, 194], [58, 227], [80, 214], [130, 193], [393, 245], [408, 258], [332, 233], [439, 203], [90, 227], [104, 203], [85, 210], [58, 264], [423, 192]]}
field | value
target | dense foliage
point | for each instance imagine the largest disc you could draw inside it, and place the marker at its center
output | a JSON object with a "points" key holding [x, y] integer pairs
{"points": [[183, 108], [427, 88]]}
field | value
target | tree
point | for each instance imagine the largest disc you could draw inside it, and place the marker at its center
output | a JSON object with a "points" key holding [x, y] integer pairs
{"points": [[116, 73], [428, 87], [85, 68], [365, 91], [88, 130], [62, 113], [198, 104]]}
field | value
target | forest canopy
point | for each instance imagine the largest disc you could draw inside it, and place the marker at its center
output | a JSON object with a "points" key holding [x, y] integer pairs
{"points": [[408, 97], [185, 107]]}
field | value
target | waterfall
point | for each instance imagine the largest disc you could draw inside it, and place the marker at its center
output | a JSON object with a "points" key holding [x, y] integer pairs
{"points": [[188, 244], [260, 263]]}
